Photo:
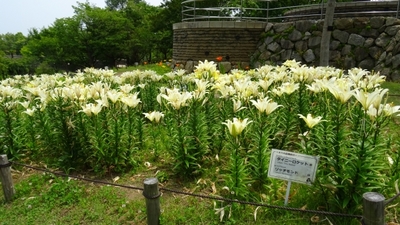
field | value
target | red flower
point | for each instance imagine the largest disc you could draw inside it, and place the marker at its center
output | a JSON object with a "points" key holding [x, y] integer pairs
{"points": [[219, 58]]}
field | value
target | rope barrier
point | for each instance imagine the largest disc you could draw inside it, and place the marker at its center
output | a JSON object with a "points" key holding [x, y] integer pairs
{"points": [[263, 205], [6, 165], [198, 195], [78, 178], [392, 199]]}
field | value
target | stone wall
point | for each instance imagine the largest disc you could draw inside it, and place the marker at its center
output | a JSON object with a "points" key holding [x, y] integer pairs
{"points": [[232, 42], [369, 43]]}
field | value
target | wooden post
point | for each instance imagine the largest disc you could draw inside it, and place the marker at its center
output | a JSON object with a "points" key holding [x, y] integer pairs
{"points": [[6, 178], [152, 195], [373, 209], [326, 33]]}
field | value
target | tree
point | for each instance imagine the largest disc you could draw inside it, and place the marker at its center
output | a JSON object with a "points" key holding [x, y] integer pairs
{"points": [[104, 34], [11, 44], [142, 38], [161, 25], [116, 4], [3, 66], [42, 49], [326, 33], [125, 29]]}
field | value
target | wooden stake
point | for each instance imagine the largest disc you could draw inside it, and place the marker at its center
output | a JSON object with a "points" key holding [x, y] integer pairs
{"points": [[6, 178], [373, 209], [152, 195]]}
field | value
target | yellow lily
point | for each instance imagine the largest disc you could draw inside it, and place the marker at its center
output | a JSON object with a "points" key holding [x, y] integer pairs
{"points": [[311, 121], [236, 126]]}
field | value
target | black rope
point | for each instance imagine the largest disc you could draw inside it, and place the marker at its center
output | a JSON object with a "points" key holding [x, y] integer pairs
{"points": [[263, 205], [196, 195], [392, 199], [79, 178], [152, 197], [6, 165]]}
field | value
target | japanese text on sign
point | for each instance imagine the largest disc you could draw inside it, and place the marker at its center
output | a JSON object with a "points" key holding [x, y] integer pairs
{"points": [[292, 166]]}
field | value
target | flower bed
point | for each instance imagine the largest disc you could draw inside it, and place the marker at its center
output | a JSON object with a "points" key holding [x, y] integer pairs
{"points": [[205, 120]]}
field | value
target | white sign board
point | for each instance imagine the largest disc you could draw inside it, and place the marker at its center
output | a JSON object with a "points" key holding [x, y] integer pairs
{"points": [[292, 166]]}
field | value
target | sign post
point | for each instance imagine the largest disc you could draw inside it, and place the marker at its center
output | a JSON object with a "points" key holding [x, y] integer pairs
{"points": [[294, 167], [289, 184]]}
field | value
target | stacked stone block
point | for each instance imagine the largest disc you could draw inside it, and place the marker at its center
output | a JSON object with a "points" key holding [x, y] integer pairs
{"points": [[368, 43]]}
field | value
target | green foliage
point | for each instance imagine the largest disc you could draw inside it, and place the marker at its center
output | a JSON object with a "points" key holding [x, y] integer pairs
{"points": [[287, 122], [13, 66], [92, 37], [44, 68], [63, 192], [237, 179], [394, 96], [259, 158], [215, 113], [11, 44], [160, 68], [93, 121], [66, 201], [12, 138], [183, 150], [116, 4], [198, 129]]}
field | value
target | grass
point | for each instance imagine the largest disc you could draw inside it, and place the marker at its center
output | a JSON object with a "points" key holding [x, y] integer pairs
{"points": [[160, 68], [394, 93], [68, 201], [47, 199]]}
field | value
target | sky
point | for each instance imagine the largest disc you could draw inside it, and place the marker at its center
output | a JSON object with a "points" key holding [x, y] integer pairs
{"points": [[22, 15]]}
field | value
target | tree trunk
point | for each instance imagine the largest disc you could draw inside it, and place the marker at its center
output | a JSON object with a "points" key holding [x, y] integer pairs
{"points": [[326, 33]]}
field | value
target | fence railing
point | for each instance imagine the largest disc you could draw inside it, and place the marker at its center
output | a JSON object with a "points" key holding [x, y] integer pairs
{"points": [[373, 203], [193, 10]]}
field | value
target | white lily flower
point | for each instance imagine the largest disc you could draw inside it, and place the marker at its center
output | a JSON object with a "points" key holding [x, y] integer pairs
{"points": [[30, 112], [206, 70], [96, 109], [389, 109], [373, 112], [8, 91], [176, 98], [170, 75], [356, 74], [201, 90], [265, 105], [265, 84], [341, 93], [289, 87], [114, 95], [126, 88], [311, 121], [131, 100], [154, 116], [237, 105], [292, 63], [315, 87], [366, 99], [390, 160], [236, 126], [87, 109], [302, 73], [25, 104]]}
